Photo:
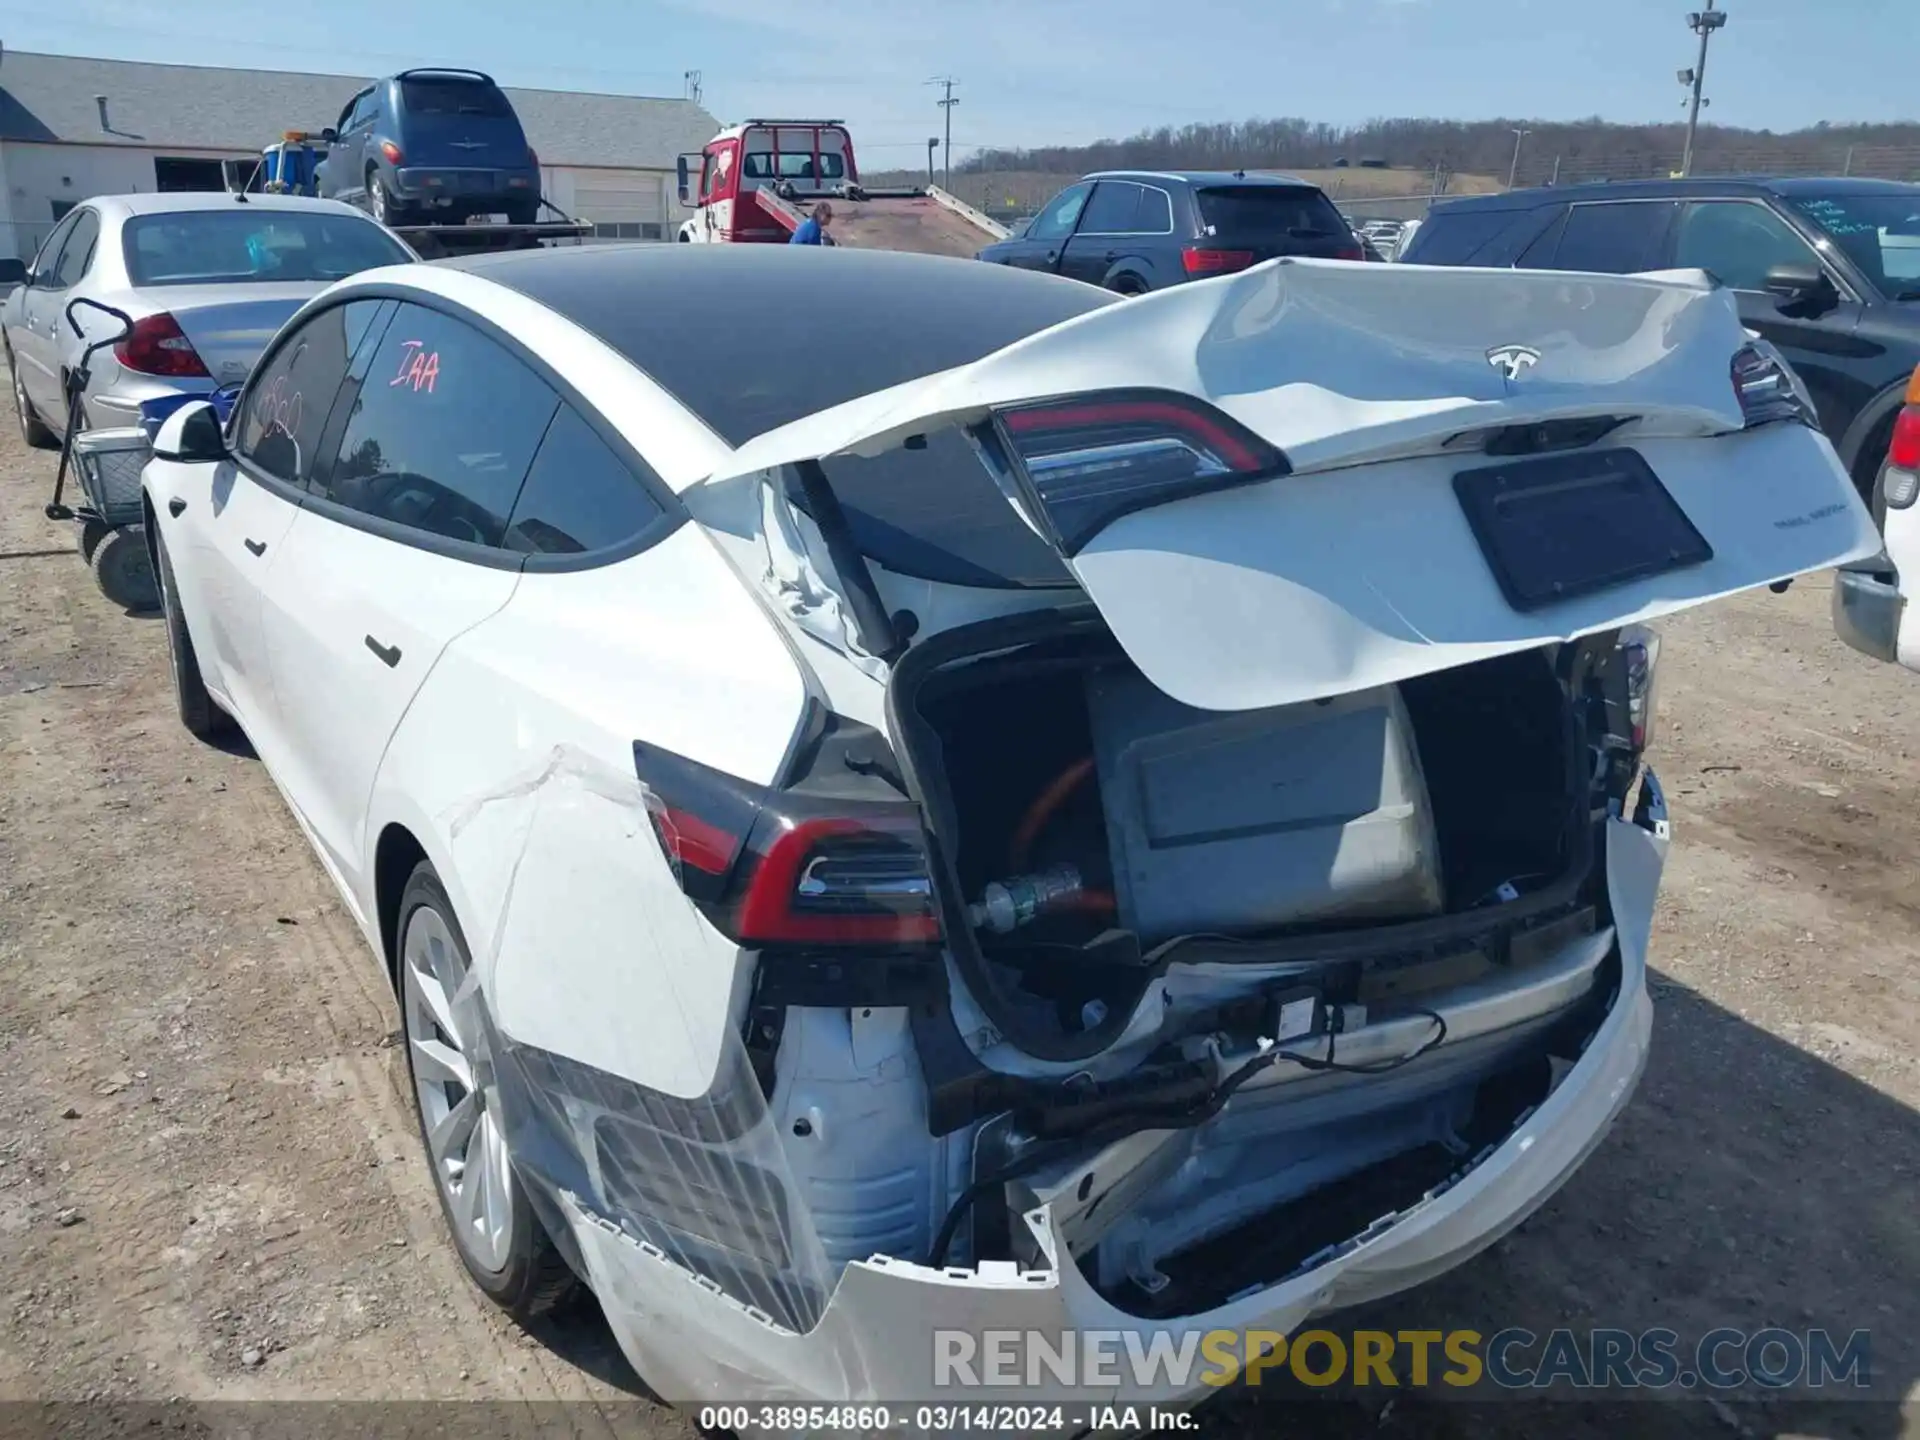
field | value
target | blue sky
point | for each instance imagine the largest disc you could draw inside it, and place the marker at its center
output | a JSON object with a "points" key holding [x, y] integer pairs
{"points": [[1040, 71]]}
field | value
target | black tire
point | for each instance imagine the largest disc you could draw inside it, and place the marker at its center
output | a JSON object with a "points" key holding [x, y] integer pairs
{"points": [[1127, 285], [124, 569], [87, 535], [380, 202], [33, 429], [199, 712], [535, 1279], [523, 212]]}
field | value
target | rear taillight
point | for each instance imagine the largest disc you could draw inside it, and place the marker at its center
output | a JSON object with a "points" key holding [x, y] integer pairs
{"points": [[1640, 647], [1901, 486], [533, 157], [157, 346], [1355, 251], [1084, 462], [1202, 260], [1768, 389], [778, 867], [391, 151]]}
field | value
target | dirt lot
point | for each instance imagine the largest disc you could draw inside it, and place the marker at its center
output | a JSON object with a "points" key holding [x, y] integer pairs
{"points": [[209, 1185]]}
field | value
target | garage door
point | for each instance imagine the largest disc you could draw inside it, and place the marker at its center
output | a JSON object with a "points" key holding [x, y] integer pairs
{"points": [[621, 204]]}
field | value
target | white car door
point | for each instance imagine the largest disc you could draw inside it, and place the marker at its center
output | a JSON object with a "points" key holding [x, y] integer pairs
{"points": [[32, 340], [227, 523], [398, 552]]}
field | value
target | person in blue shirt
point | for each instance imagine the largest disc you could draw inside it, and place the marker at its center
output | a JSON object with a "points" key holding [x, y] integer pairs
{"points": [[813, 229]]}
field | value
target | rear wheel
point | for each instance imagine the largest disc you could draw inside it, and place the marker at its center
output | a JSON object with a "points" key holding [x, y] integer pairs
{"points": [[87, 534], [124, 570], [523, 212], [199, 712], [380, 202], [1128, 285], [499, 1238], [33, 429]]}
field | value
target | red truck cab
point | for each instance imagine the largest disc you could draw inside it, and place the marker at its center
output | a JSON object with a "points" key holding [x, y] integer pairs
{"points": [[800, 159]]}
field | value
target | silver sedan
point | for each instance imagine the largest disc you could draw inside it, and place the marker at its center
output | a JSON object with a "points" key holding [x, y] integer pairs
{"points": [[205, 278]]}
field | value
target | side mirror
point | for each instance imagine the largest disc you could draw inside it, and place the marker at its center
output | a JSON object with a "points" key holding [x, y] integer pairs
{"points": [[686, 195], [191, 434], [1804, 286], [329, 136]]}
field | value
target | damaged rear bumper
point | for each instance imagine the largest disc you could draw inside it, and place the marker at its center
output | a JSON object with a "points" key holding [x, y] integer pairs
{"points": [[885, 1333]]}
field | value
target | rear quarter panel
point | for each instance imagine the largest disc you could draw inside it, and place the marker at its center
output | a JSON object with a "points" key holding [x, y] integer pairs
{"points": [[514, 770]]}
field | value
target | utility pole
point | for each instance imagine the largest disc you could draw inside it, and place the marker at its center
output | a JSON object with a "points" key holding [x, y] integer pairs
{"points": [[1703, 23], [1513, 171], [946, 103]]}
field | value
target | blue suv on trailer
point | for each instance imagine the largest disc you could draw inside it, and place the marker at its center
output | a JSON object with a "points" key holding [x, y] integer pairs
{"points": [[432, 146]]}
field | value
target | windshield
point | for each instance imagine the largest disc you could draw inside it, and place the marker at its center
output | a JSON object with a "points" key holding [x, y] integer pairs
{"points": [[242, 245], [1879, 232]]}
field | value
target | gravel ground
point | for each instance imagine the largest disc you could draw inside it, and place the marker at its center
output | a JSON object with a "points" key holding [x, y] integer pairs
{"points": [[209, 1181]]}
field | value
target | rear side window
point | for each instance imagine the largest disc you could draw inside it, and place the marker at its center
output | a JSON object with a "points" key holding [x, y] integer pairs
{"points": [[1156, 212], [936, 514], [579, 495], [439, 430], [1114, 209], [1250, 210], [453, 96], [1617, 239], [78, 255], [1469, 237], [285, 407]]}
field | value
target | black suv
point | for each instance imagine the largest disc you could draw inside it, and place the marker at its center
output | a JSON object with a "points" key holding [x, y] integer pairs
{"points": [[1828, 270], [1139, 230]]}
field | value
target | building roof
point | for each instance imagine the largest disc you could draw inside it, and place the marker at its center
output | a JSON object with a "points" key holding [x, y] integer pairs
{"points": [[198, 107]]}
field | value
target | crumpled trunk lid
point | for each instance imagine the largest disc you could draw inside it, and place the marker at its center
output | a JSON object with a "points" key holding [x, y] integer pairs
{"points": [[1361, 567]]}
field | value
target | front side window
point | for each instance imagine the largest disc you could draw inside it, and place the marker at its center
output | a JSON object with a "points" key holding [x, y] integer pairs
{"points": [[579, 495], [439, 430], [286, 404], [254, 244], [48, 260], [1114, 209], [1057, 220], [1737, 242]]}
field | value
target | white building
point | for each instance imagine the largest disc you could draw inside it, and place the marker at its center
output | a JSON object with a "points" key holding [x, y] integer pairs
{"points": [[72, 127]]}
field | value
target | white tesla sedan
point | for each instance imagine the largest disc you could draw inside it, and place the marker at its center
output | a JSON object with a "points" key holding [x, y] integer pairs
{"points": [[902, 797]]}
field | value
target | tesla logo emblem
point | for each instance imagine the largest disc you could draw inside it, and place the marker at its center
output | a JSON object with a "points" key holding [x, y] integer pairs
{"points": [[1513, 361]]}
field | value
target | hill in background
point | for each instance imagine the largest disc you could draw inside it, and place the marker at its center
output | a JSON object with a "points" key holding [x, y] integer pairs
{"points": [[1365, 165]]}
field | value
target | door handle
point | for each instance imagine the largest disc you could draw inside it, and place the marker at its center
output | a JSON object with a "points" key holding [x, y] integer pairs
{"points": [[175, 506], [257, 547], [389, 654]]}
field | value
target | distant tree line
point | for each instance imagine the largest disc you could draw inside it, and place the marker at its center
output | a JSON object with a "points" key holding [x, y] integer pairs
{"points": [[1582, 149]]}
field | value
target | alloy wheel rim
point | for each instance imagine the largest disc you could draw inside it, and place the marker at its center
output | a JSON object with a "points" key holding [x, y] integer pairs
{"points": [[453, 1083]]}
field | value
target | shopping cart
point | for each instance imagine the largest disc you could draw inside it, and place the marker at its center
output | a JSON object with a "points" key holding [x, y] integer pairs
{"points": [[107, 465]]}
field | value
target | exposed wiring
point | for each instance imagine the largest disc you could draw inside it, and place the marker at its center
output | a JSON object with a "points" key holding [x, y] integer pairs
{"points": [[1166, 1119], [1020, 848]]}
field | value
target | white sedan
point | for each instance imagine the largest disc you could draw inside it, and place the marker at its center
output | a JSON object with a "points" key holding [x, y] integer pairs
{"points": [[903, 797]]}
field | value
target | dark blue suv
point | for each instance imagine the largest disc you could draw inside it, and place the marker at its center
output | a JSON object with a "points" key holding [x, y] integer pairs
{"points": [[427, 146], [1139, 230]]}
